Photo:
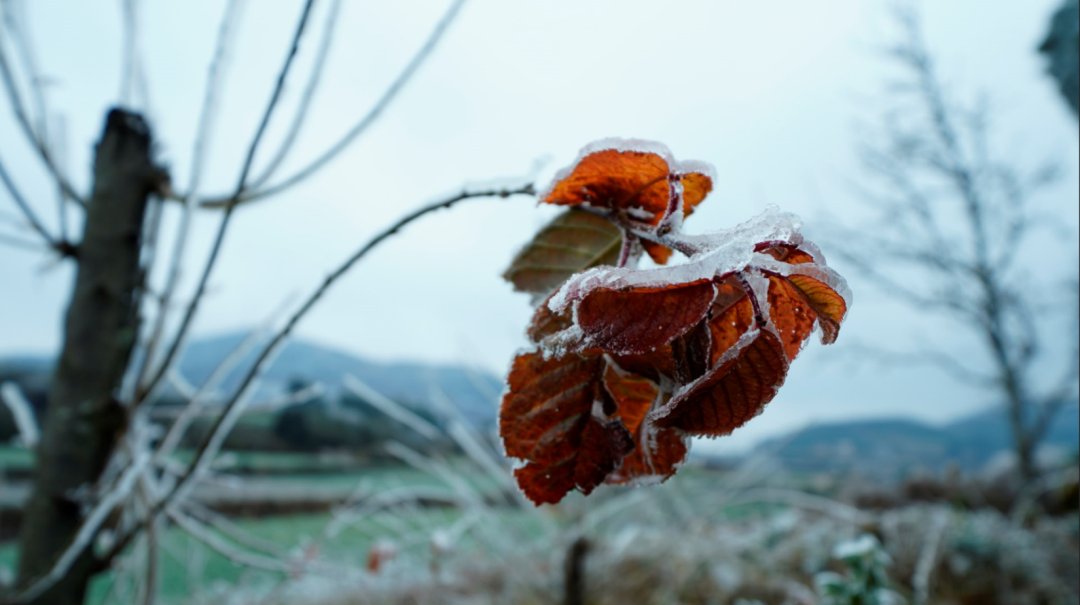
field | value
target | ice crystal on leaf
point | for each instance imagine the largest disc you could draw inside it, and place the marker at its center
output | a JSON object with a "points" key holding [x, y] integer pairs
{"points": [[628, 363]]}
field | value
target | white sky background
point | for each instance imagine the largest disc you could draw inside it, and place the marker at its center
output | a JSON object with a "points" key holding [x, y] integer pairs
{"points": [[769, 92]]}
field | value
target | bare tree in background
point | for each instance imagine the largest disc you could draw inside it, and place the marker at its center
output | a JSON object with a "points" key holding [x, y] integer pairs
{"points": [[955, 226], [100, 472], [1061, 48]]}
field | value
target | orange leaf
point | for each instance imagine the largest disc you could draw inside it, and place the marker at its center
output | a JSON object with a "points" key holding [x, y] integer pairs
{"points": [[696, 185], [657, 452], [548, 419], [632, 183], [658, 252], [788, 253], [731, 316], [730, 394], [827, 303], [790, 313], [635, 321]]}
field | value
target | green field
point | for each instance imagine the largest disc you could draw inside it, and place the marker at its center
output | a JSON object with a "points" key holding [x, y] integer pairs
{"points": [[188, 566]]}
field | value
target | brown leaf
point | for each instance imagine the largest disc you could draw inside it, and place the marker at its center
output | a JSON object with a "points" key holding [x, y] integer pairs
{"points": [[546, 322], [634, 321], [732, 393], [732, 314], [657, 452], [572, 242], [548, 420]]}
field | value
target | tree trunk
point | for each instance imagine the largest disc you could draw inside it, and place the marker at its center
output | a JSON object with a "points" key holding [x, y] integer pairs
{"points": [[83, 418]]}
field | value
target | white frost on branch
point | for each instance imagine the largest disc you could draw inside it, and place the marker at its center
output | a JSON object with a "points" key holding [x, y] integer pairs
{"points": [[22, 412]]}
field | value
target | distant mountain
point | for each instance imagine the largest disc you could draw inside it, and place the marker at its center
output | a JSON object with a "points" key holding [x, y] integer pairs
{"points": [[889, 448], [474, 392]]}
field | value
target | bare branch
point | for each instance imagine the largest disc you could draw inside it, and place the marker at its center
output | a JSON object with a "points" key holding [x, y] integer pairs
{"points": [[305, 99], [32, 136], [20, 36], [232, 408], [923, 355], [205, 535], [21, 411], [203, 130], [31, 217], [951, 211], [359, 128], [219, 239], [23, 244], [928, 557]]}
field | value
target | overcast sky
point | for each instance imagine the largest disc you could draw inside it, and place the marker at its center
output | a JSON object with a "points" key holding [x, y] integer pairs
{"points": [[769, 92]]}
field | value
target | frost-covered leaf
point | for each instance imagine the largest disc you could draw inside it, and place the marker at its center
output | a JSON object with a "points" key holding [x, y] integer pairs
{"points": [[552, 418], [730, 394], [638, 181], [657, 452], [695, 186], [572, 242], [828, 304], [790, 314], [631, 362], [634, 321], [630, 182]]}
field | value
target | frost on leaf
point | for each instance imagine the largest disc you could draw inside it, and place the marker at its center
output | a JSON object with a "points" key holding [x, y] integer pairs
{"points": [[554, 413], [657, 452], [635, 183], [630, 363], [635, 321]]}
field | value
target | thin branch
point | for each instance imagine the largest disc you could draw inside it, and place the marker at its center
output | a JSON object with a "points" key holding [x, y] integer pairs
{"points": [[234, 532], [195, 404], [205, 535], [128, 52], [21, 37], [204, 128], [60, 142], [21, 411], [360, 127], [219, 239], [28, 212], [305, 99], [928, 557], [23, 244], [39, 144], [152, 558], [230, 411]]}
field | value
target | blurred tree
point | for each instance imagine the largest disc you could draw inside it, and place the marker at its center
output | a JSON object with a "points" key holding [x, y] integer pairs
{"points": [[97, 456], [955, 226], [1062, 50]]}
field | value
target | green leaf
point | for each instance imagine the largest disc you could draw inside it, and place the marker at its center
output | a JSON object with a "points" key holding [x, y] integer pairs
{"points": [[574, 241]]}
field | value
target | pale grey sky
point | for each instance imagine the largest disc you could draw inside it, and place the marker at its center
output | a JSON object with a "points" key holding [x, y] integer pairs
{"points": [[769, 92]]}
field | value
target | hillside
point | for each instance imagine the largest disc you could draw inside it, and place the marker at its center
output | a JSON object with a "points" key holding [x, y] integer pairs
{"points": [[888, 448], [472, 391]]}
